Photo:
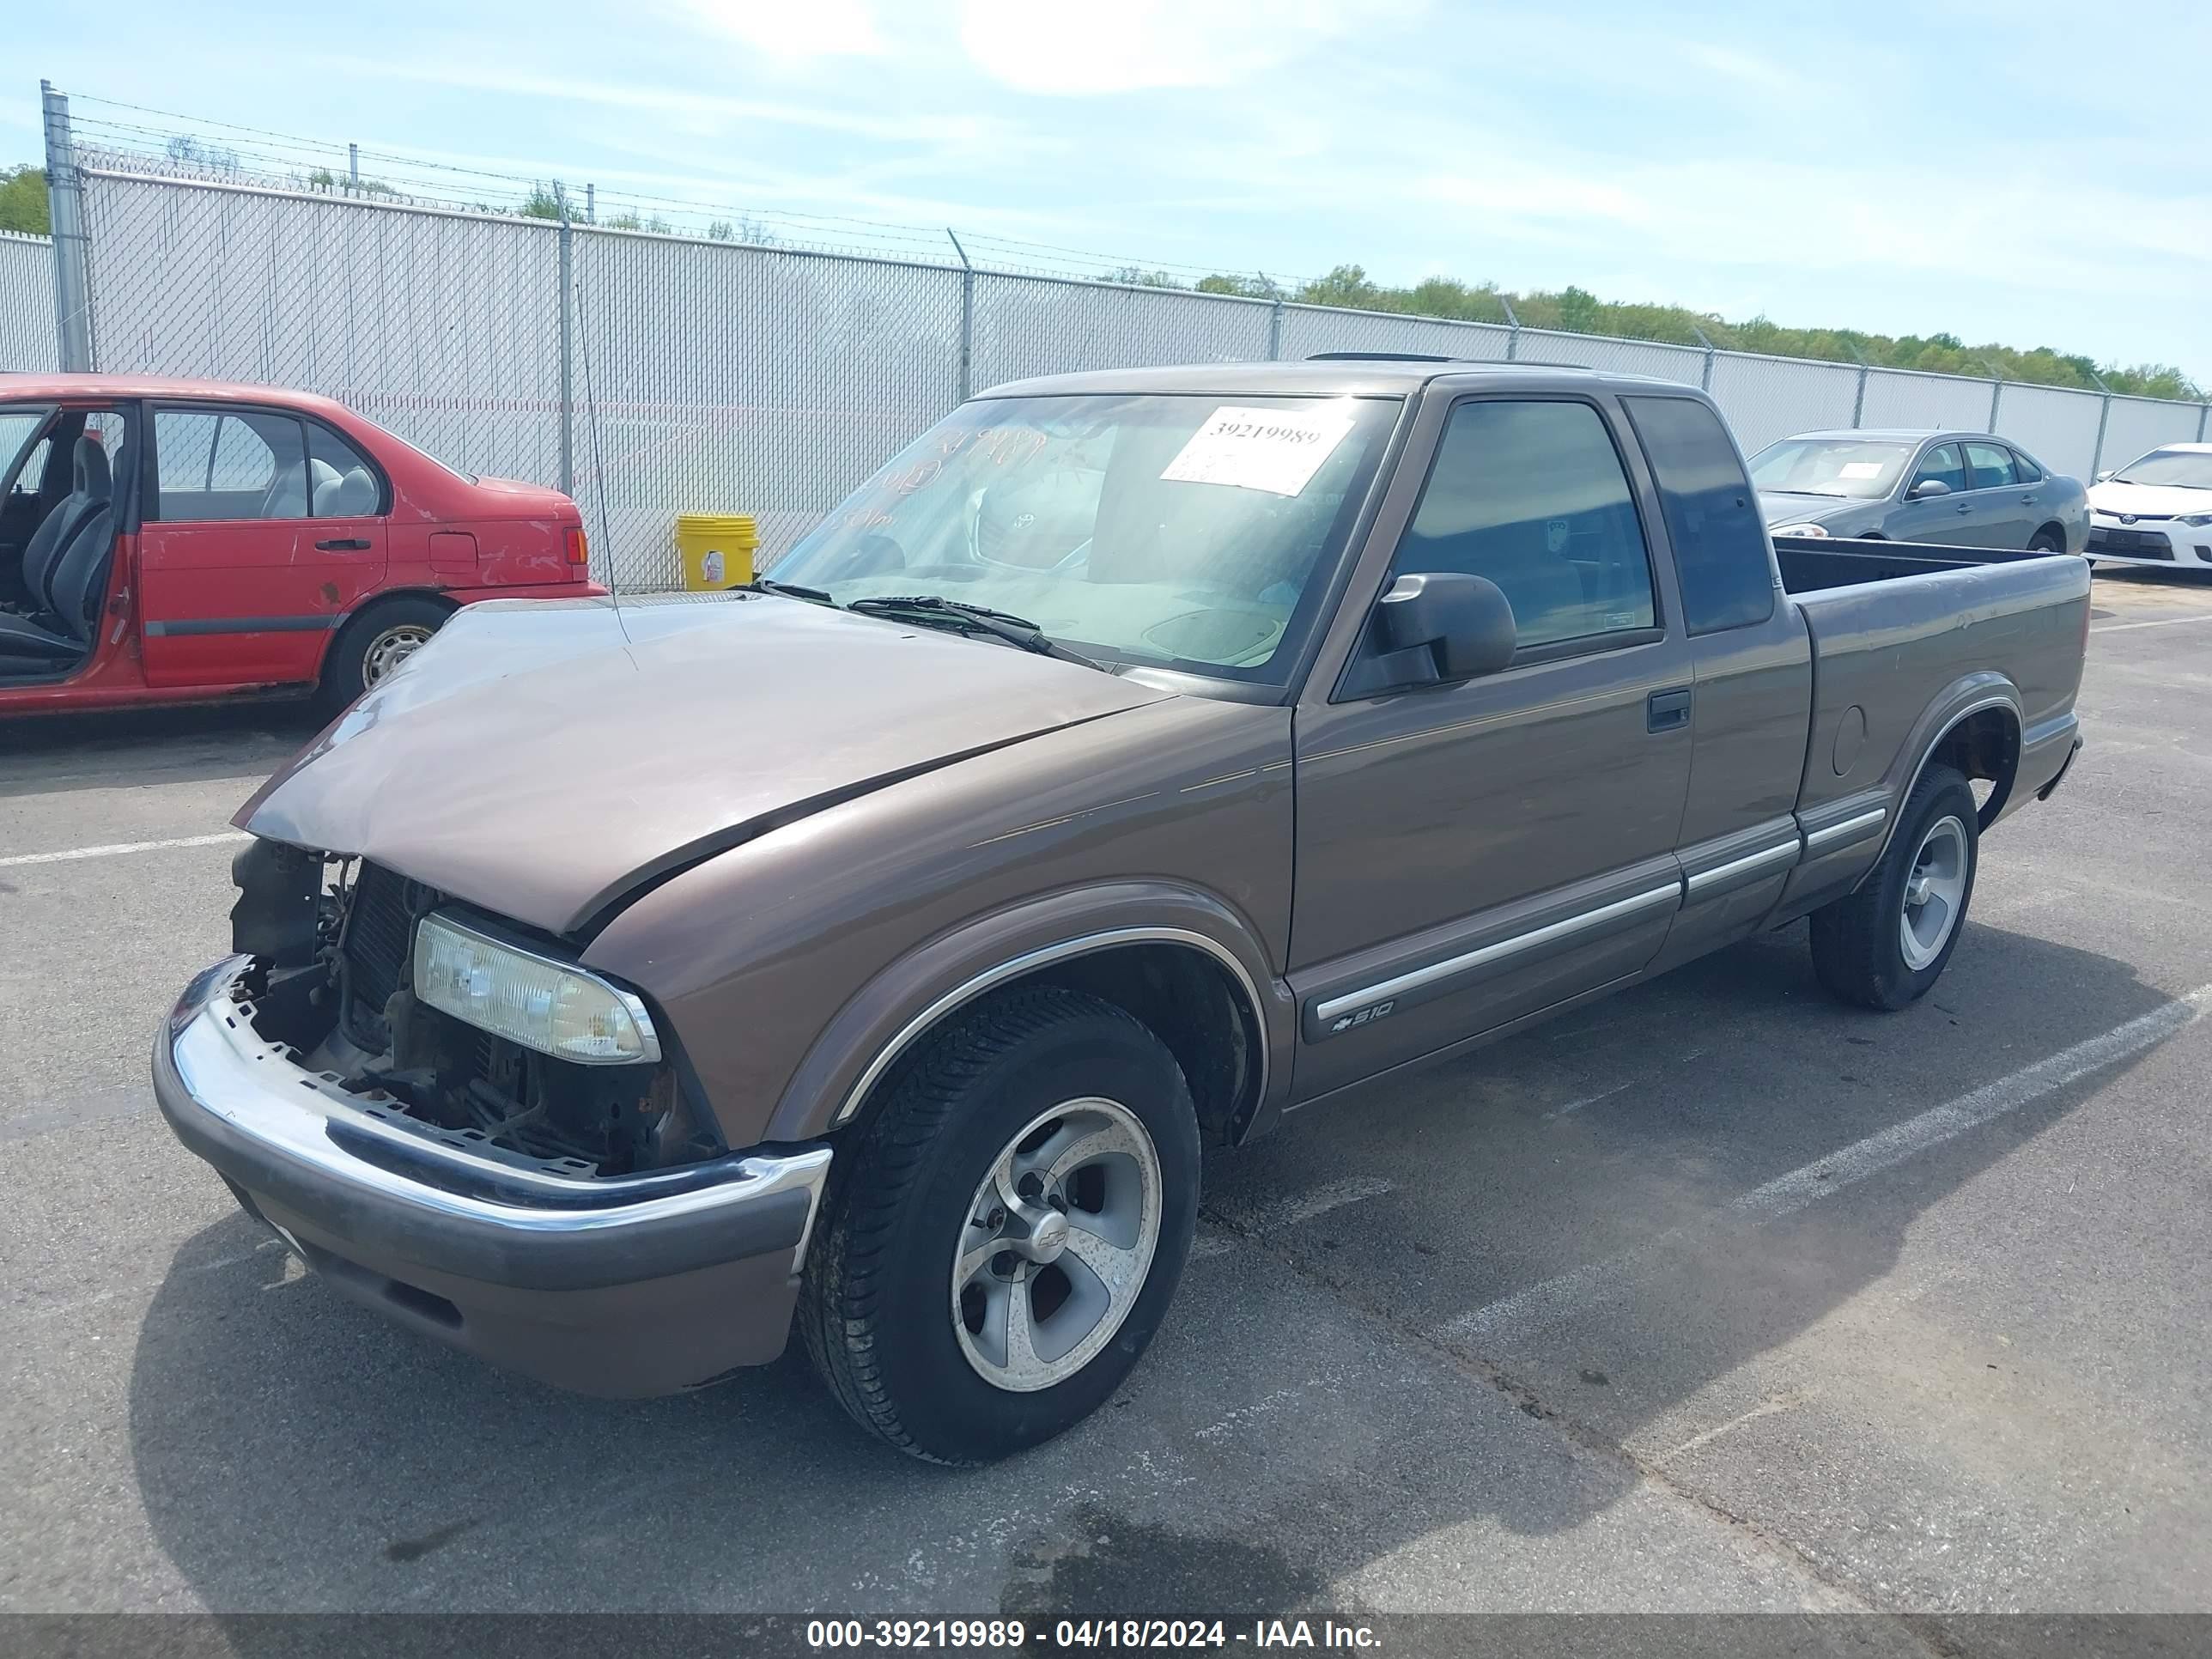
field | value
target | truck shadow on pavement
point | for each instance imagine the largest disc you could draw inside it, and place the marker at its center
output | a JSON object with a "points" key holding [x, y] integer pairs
{"points": [[1335, 1410]]}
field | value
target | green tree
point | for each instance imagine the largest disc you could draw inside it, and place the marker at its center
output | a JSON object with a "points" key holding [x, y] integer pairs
{"points": [[23, 201], [1346, 285], [1138, 277], [1250, 287]]}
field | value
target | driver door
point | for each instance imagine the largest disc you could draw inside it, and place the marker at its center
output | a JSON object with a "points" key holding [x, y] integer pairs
{"points": [[1936, 518], [241, 581]]}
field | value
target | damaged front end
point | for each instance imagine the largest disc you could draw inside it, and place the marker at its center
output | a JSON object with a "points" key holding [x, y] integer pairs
{"points": [[334, 942]]}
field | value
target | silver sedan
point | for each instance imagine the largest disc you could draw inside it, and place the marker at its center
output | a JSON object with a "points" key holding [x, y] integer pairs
{"points": [[1967, 488]]}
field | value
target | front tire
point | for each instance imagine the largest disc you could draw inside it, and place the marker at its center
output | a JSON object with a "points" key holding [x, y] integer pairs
{"points": [[1009, 1229], [1885, 944]]}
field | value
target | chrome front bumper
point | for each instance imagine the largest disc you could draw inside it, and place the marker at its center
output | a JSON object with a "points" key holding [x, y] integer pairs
{"points": [[472, 1244]]}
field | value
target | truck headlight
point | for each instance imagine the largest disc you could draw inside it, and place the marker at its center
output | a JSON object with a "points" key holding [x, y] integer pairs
{"points": [[1797, 530], [535, 1000]]}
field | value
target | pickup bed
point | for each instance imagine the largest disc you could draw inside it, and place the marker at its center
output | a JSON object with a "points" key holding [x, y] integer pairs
{"points": [[1141, 757]]}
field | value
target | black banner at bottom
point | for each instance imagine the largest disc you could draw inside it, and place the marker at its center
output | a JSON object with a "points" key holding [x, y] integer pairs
{"points": [[1490, 1635]]}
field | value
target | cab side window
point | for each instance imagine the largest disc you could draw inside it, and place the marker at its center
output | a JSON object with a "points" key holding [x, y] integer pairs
{"points": [[1942, 464], [1533, 497], [1992, 465]]}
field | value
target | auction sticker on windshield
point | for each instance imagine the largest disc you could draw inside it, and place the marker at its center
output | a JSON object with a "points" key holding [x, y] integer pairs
{"points": [[1277, 450]]}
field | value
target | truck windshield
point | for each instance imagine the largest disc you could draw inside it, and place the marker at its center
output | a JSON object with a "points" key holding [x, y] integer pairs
{"points": [[2183, 468], [1856, 468], [1187, 532]]}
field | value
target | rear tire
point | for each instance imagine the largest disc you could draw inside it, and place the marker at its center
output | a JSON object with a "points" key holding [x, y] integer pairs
{"points": [[1884, 944], [372, 644], [951, 1300], [2046, 540]]}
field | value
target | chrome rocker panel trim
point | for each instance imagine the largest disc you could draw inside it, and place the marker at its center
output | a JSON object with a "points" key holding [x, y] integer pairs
{"points": [[1416, 978]]}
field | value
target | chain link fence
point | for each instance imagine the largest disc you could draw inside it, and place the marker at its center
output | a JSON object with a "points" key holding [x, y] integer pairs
{"points": [[27, 304], [2137, 425], [654, 374]]}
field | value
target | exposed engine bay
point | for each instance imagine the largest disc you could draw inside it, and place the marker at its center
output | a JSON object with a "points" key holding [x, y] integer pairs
{"points": [[331, 940]]}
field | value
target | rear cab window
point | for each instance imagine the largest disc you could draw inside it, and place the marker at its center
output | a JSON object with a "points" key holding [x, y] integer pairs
{"points": [[1720, 549]]}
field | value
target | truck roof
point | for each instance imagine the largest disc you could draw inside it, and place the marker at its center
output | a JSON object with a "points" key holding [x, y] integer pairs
{"points": [[1326, 377]]}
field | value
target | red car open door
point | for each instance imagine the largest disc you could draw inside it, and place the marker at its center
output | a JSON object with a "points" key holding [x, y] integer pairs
{"points": [[261, 529]]}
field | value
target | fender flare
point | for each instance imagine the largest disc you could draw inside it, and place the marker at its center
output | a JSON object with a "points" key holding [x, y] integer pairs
{"points": [[1964, 698], [903, 1002]]}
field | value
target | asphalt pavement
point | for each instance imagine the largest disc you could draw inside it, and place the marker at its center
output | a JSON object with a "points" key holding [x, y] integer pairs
{"points": [[1714, 1296]]}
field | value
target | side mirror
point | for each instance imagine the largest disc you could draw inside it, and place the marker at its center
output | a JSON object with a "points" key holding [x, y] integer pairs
{"points": [[1927, 489], [2105, 476], [1463, 625]]}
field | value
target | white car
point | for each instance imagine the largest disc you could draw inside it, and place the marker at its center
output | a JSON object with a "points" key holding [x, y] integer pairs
{"points": [[2157, 509]]}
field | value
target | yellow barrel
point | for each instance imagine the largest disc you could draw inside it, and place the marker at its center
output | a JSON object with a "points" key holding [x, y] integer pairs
{"points": [[716, 549]]}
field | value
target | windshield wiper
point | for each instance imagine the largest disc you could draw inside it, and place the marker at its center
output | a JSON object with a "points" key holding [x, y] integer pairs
{"points": [[786, 590], [935, 611]]}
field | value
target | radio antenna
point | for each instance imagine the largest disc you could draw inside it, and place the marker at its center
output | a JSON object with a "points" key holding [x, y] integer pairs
{"points": [[599, 464]]}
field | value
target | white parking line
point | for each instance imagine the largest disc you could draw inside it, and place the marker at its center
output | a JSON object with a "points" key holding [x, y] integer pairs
{"points": [[2163, 622], [1588, 1100], [1318, 1200], [1552, 1300], [116, 848]]}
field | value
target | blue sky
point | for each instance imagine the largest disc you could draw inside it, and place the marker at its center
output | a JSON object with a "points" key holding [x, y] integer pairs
{"points": [[2025, 172]]}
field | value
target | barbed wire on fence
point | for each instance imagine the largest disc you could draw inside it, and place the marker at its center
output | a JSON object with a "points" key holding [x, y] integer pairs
{"points": [[228, 152]]}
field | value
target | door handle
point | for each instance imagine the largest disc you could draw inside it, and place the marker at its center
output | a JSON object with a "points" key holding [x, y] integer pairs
{"points": [[344, 544], [1667, 711]]}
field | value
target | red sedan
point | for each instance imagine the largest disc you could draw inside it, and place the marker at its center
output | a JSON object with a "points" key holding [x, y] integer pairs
{"points": [[181, 541]]}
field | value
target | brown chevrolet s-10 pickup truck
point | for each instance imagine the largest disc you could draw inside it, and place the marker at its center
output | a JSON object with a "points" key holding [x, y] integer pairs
{"points": [[1140, 756]]}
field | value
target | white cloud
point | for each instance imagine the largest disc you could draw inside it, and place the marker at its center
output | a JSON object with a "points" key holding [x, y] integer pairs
{"points": [[1132, 45], [791, 29]]}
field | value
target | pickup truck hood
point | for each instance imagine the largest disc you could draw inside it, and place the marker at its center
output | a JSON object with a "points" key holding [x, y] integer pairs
{"points": [[2158, 500], [541, 760]]}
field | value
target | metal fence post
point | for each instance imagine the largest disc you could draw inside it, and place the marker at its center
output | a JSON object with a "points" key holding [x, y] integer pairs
{"points": [[966, 317], [591, 204], [1275, 328], [1996, 394], [72, 261], [1858, 399], [565, 309], [2203, 410], [1705, 381], [2104, 418], [353, 169], [1512, 340]]}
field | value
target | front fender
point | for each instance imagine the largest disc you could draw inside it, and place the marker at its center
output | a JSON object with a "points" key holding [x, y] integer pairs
{"points": [[910, 996]]}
